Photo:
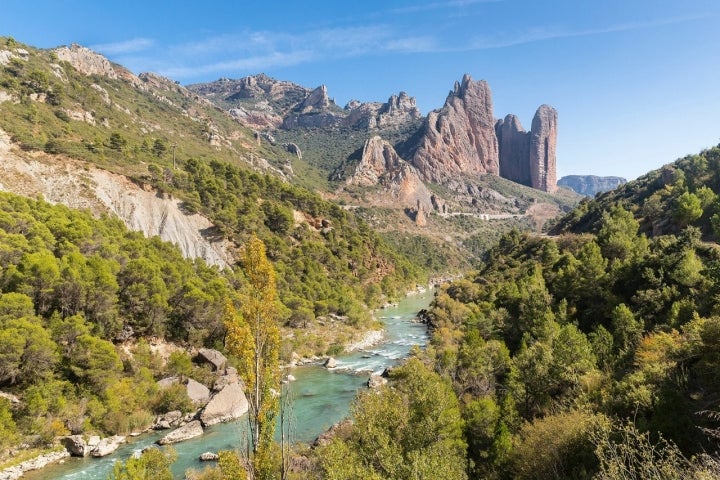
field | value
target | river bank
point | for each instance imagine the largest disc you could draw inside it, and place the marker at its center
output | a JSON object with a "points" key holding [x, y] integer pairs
{"points": [[321, 398]]}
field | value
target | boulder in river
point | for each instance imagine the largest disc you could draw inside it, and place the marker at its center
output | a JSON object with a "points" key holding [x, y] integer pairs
{"points": [[75, 445], [228, 404], [190, 430], [106, 446], [330, 363], [209, 457]]}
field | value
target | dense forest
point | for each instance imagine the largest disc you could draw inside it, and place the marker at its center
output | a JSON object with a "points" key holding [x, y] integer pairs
{"points": [[591, 353]]}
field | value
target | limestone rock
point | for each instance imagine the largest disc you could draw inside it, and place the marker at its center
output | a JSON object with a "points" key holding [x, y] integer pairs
{"points": [[589, 185], [228, 404], [399, 109], [86, 61], [330, 363], [216, 359], [543, 141], [106, 446], [460, 138], [199, 394], [17, 471], [317, 100], [190, 430], [209, 457], [381, 165]]}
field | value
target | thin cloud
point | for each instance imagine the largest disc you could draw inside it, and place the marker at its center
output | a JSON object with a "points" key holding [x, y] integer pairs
{"points": [[124, 47], [542, 33], [252, 51], [250, 64], [440, 6]]}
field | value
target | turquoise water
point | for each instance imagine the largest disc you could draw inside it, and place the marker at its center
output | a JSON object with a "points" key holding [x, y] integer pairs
{"points": [[321, 397]]}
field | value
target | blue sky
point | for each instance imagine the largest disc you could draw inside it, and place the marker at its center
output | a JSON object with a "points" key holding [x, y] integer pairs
{"points": [[636, 82]]}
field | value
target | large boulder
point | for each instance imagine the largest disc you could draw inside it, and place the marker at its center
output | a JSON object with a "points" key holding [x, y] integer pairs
{"points": [[75, 445], [190, 430], [216, 359], [106, 446], [228, 404], [198, 393]]}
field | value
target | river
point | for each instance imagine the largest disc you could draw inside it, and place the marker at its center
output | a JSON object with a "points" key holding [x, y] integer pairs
{"points": [[322, 397]]}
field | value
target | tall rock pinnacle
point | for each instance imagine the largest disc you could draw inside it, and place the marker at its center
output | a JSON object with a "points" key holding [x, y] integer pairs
{"points": [[543, 140], [460, 138]]}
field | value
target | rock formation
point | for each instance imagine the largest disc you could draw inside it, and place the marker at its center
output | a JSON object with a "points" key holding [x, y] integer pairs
{"points": [[460, 138], [229, 404], [86, 61], [381, 165], [529, 157], [543, 139], [318, 100], [514, 150], [187, 431], [589, 185]]}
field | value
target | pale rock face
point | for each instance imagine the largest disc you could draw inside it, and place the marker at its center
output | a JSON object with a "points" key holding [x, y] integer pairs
{"points": [[86, 61], [229, 404], [186, 432], [543, 141], [460, 138], [381, 165], [198, 393], [317, 100]]}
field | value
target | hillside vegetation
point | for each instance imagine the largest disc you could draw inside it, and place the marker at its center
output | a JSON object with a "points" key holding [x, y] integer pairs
{"points": [[588, 354], [72, 287]]}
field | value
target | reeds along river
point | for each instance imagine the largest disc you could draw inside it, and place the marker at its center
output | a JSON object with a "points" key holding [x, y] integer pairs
{"points": [[320, 396]]}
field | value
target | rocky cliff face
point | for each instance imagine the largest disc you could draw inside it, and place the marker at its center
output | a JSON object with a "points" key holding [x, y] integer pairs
{"points": [[78, 185], [86, 61], [589, 185], [543, 140], [514, 150], [461, 137], [529, 157], [381, 165]]}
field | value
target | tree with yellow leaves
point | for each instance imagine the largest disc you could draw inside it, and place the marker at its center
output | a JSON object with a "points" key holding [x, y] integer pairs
{"points": [[253, 336]]}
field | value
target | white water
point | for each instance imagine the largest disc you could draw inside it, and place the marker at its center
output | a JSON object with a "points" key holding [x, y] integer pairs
{"points": [[322, 397]]}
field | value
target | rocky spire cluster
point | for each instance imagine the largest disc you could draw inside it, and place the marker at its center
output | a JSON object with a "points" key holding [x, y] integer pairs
{"points": [[463, 137]]}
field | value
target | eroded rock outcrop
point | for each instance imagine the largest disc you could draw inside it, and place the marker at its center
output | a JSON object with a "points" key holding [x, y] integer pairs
{"points": [[381, 165], [543, 141], [86, 61], [460, 138]]}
